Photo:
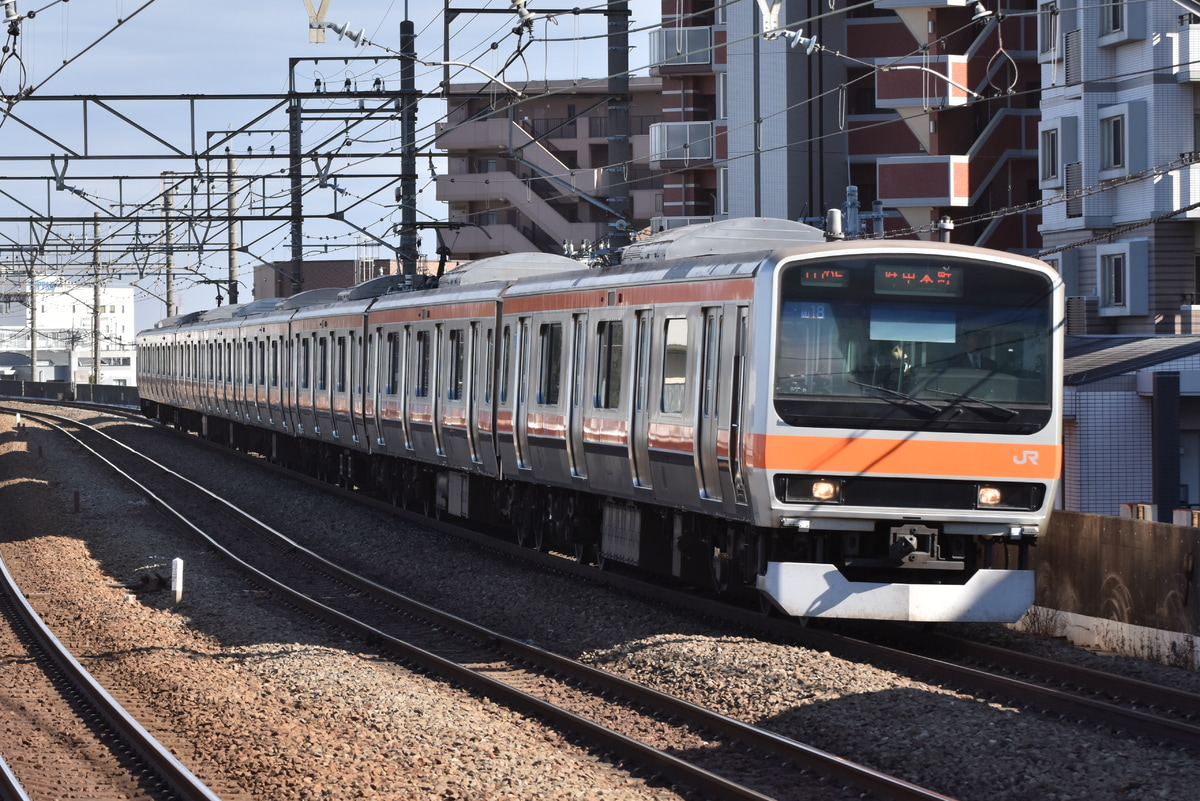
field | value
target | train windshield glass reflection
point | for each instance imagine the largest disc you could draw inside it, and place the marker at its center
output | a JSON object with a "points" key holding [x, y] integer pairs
{"points": [[861, 345]]}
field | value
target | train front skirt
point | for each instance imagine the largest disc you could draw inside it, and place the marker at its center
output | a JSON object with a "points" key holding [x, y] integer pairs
{"points": [[816, 590]]}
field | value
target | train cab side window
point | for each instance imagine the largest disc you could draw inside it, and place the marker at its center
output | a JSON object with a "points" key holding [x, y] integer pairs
{"points": [[675, 363], [610, 346], [550, 340], [454, 389], [505, 362], [393, 364], [421, 385]]}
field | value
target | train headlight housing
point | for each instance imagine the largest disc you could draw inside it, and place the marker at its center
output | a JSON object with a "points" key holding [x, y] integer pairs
{"points": [[807, 489], [990, 496]]}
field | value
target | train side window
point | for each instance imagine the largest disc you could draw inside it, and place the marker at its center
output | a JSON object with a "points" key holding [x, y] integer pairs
{"points": [[610, 347], [274, 363], [341, 365], [322, 363], [393, 364], [421, 386], [454, 389], [550, 378], [675, 364], [488, 375], [262, 363], [505, 360], [305, 365]]}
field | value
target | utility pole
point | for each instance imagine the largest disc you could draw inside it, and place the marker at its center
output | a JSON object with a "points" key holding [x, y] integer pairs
{"points": [[619, 150], [168, 192], [295, 162], [231, 206], [408, 159], [33, 334], [96, 298]]}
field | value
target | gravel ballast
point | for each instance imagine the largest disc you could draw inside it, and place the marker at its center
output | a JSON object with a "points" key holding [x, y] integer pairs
{"points": [[282, 708]]}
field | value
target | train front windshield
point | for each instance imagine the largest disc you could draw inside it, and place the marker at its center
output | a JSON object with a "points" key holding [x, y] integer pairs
{"points": [[908, 342]]}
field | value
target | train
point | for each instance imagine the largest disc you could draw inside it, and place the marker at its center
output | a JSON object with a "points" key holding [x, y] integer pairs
{"points": [[855, 428]]}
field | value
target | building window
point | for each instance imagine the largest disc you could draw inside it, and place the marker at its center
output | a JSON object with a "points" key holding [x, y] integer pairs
{"points": [[1048, 28], [1049, 154], [1112, 17], [1121, 22], [1112, 279], [1112, 143], [722, 190], [722, 96], [1122, 278]]}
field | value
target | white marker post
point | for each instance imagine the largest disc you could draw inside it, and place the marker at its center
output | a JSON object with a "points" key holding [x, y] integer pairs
{"points": [[177, 578]]}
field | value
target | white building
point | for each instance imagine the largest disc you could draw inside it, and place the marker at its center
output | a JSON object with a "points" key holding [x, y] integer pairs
{"points": [[65, 320], [1118, 156]]}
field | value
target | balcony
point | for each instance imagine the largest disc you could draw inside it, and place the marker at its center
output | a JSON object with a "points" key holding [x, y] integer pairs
{"points": [[1187, 70], [680, 50], [687, 142], [924, 181], [923, 83]]}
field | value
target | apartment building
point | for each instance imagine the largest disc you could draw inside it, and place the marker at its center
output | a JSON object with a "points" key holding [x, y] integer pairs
{"points": [[1120, 162], [532, 176], [929, 108]]}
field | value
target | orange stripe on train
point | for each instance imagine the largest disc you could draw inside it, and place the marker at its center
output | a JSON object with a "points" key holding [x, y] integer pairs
{"points": [[862, 455]]}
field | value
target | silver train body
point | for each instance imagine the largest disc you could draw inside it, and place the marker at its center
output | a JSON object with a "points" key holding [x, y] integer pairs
{"points": [[861, 429]]}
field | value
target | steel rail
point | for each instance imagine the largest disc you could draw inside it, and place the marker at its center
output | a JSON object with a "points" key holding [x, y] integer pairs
{"points": [[169, 768], [819, 761]]}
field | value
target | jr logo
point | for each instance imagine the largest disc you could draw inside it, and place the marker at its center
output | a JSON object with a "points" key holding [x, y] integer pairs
{"points": [[1026, 457]]}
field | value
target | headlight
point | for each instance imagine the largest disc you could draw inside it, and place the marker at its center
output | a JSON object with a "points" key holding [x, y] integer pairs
{"points": [[806, 489], [989, 496], [824, 490]]}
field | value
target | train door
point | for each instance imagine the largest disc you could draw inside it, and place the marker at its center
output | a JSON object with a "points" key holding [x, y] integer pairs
{"points": [[404, 388], [575, 453], [738, 389], [376, 382], [355, 355], [639, 424], [469, 387], [521, 410], [707, 414], [435, 392]]}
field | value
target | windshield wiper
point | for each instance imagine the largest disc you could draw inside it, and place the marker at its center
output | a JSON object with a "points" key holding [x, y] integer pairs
{"points": [[899, 394], [998, 407]]}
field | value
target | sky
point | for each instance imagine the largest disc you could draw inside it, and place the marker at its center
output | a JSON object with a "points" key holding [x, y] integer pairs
{"points": [[111, 48]]}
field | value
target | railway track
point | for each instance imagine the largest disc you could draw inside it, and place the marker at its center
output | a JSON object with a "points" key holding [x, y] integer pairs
{"points": [[64, 735], [689, 746]]}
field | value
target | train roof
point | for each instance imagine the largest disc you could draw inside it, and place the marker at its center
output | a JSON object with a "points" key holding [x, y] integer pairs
{"points": [[509, 267], [721, 237]]}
